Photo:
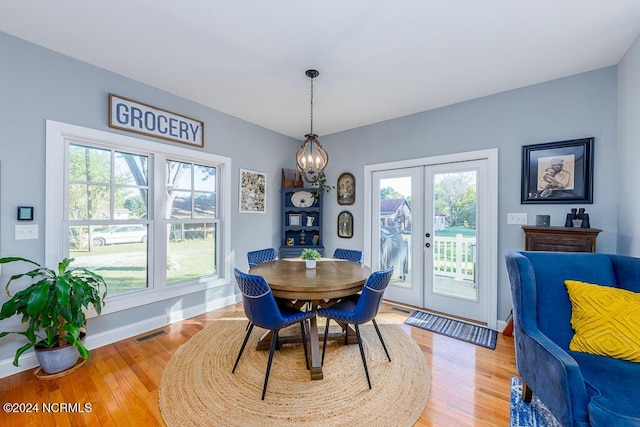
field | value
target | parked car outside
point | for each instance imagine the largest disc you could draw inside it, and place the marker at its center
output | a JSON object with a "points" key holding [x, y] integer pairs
{"points": [[120, 234]]}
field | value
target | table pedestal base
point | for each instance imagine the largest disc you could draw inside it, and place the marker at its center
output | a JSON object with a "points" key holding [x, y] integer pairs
{"points": [[315, 338]]}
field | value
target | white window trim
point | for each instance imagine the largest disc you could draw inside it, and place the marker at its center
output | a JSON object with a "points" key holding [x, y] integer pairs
{"points": [[56, 133]]}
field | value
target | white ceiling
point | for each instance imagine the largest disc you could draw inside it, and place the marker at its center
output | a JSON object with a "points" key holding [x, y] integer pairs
{"points": [[378, 59]]}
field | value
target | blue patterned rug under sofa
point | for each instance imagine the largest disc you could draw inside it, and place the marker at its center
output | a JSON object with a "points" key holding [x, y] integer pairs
{"points": [[533, 414]]}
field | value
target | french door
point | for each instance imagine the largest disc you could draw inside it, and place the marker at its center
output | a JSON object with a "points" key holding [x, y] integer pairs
{"points": [[433, 223], [398, 206]]}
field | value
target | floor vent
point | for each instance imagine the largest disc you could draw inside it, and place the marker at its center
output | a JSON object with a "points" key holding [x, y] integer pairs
{"points": [[401, 310], [152, 335]]}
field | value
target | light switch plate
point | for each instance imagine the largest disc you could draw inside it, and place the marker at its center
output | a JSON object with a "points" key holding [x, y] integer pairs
{"points": [[26, 232], [517, 218]]}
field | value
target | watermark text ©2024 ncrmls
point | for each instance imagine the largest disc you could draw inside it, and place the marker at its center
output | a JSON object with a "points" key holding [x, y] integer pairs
{"points": [[52, 407]]}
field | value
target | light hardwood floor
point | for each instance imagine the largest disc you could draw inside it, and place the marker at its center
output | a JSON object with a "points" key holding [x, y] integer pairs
{"points": [[469, 384]]}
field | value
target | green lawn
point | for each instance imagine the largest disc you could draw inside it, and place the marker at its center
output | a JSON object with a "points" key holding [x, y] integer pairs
{"points": [[452, 231], [124, 266]]}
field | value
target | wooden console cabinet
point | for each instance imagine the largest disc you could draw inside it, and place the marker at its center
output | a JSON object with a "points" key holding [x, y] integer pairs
{"points": [[556, 239], [560, 239]]}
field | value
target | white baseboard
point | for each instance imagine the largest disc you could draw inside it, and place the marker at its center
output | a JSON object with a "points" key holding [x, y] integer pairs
{"points": [[29, 360]]}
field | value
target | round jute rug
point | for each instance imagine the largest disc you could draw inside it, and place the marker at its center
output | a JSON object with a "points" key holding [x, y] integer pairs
{"points": [[198, 388]]}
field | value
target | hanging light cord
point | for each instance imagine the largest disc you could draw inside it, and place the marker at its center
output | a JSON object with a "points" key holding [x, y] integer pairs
{"points": [[311, 106]]}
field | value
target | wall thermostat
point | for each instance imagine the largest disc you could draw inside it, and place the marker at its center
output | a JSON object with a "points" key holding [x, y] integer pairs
{"points": [[25, 213]]}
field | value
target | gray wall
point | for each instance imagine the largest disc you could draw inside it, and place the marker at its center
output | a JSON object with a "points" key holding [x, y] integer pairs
{"points": [[38, 84], [629, 151], [574, 107]]}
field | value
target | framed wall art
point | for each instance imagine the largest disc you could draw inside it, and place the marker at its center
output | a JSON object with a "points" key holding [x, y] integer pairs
{"points": [[558, 172], [253, 191], [346, 189], [295, 219], [345, 225]]}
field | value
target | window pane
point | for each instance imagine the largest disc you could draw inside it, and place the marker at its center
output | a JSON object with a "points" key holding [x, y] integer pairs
{"points": [[130, 203], [89, 201], [89, 164], [191, 251], [395, 229], [178, 176], [130, 169], [204, 206], [455, 239], [116, 252], [78, 202], [204, 178], [180, 203]]}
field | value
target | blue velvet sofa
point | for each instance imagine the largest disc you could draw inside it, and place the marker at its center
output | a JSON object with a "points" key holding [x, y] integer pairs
{"points": [[580, 389]]}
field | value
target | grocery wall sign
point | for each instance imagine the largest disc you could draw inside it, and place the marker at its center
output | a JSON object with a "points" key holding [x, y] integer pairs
{"points": [[133, 116]]}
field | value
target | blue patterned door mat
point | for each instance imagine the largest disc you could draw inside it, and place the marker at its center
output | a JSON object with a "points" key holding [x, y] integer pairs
{"points": [[463, 331]]}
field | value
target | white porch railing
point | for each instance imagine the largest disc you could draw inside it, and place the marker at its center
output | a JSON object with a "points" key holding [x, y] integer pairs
{"points": [[454, 257]]}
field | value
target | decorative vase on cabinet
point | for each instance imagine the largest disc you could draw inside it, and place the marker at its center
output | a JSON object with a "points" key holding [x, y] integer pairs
{"points": [[301, 221]]}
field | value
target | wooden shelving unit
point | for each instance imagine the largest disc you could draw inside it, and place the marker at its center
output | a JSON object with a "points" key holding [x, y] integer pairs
{"points": [[300, 234]]}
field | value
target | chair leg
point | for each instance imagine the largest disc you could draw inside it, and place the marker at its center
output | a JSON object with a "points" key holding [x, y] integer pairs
{"points": [[324, 340], [381, 340], [346, 334], [364, 361], [274, 341], [304, 342], [527, 393], [244, 343]]}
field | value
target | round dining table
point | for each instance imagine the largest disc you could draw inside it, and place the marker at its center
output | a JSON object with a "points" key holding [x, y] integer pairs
{"points": [[322, 286]]}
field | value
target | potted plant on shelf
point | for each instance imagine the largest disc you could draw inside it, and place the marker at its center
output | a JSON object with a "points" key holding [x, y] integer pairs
{"points": [[321, 185], [53, 307], [310, 256]]}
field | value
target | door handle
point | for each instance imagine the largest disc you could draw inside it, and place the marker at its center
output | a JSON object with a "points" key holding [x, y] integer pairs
{"points": [[427, 235], [427, 245]]}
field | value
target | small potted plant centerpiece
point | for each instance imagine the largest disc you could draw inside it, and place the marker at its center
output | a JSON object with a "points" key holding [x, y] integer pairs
{"points": [[310, 256], [53, 309]]}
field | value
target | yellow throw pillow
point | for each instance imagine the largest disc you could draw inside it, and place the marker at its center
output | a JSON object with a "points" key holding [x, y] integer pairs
{"points": [[606, 320]]}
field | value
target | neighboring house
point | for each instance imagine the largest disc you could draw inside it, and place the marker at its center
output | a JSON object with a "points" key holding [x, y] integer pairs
{"points": [[395, 213]]}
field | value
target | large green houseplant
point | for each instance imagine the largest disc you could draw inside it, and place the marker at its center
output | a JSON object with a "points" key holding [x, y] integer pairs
{"points": [[53, 305]]}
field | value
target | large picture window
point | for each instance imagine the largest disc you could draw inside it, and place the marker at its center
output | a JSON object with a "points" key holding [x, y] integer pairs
{"points": [[146, 216]]}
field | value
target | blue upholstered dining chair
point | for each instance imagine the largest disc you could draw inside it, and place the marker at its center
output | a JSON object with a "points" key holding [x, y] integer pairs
{"points": [[358, 311], [260, 256], [348, 254], [261, 308]]}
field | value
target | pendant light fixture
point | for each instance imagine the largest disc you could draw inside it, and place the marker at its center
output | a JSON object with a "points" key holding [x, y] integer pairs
{"points": [[311, 158]]}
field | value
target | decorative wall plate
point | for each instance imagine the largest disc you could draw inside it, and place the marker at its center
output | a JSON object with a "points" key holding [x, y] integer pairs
{"points": [[302, 199]]}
